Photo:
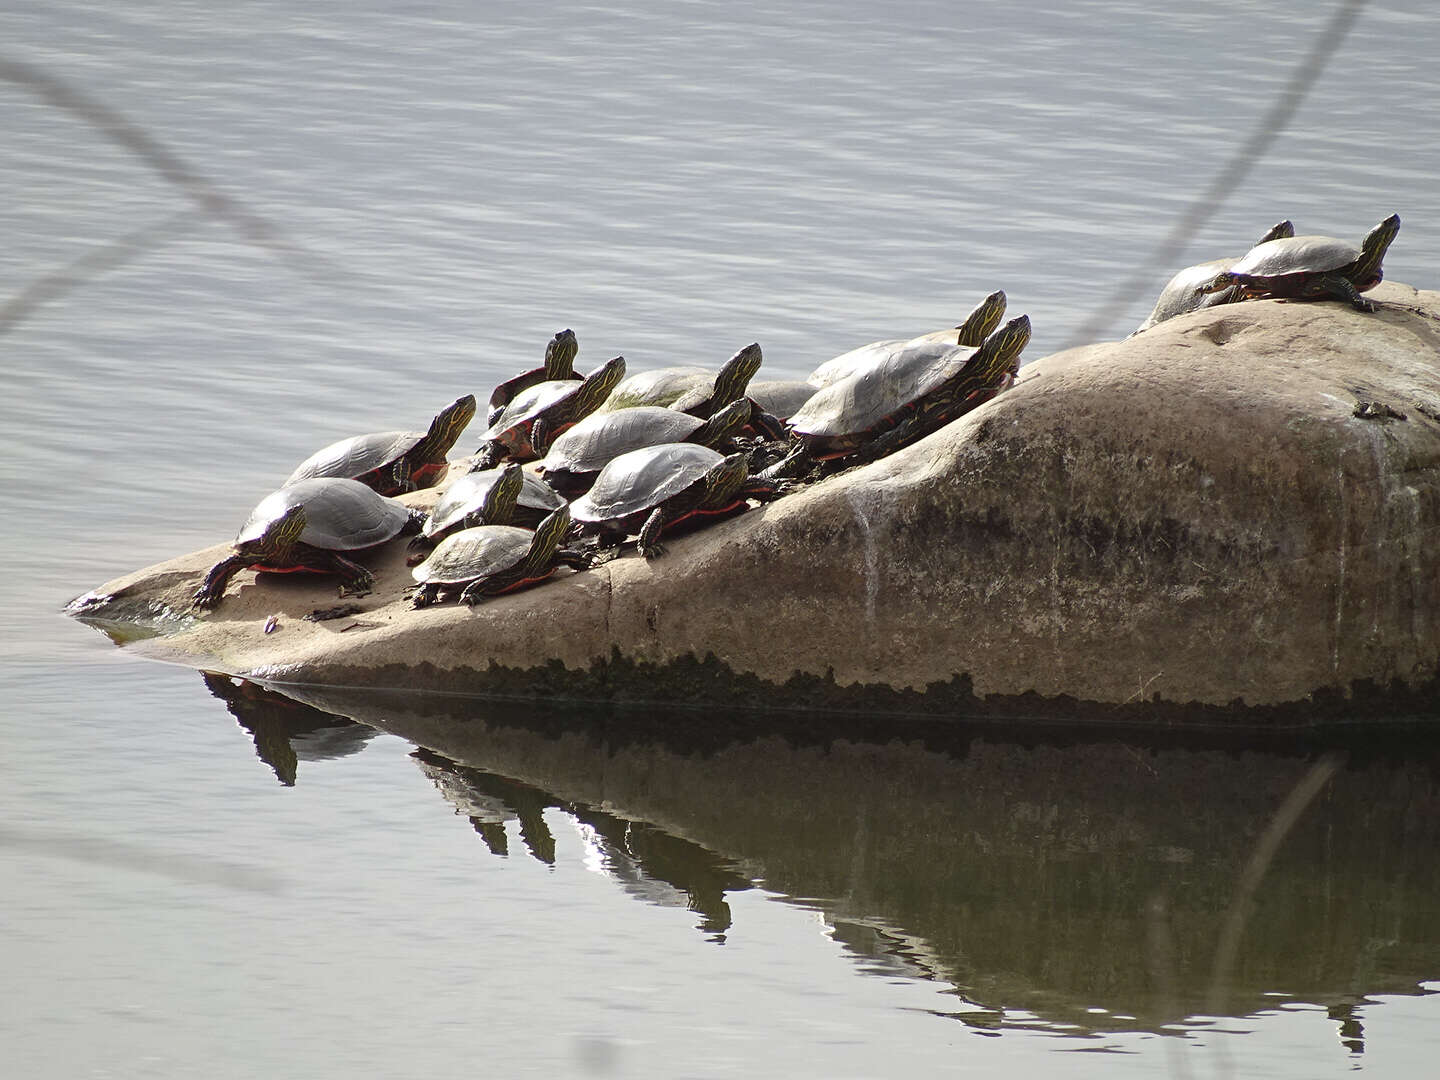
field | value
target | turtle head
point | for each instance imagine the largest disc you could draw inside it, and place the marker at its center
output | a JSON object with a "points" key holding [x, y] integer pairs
{"points": [[1281, 230], [981, 322], [560, 355], [735, 375], [449, 422], [284, 532], [1367, 273], [1000, 354], [548, 535], [725, 424], [498, 506], [598, 385], [725, 479]]}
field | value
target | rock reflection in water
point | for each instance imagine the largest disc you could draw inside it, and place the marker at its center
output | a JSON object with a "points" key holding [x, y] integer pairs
{"points": [[1062, 878]]}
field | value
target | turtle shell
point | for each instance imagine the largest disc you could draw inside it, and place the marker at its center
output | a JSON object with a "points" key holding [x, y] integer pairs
{"points": [[340, 514], [474, 553], [661, 387], [601, 437], [466, 494], [529, 404], [1296, 255], [643, 479], [898, 377], [1180, 294], [781, 397], [357, 456]]}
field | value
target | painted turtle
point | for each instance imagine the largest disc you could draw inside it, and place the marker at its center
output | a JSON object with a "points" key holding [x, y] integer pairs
{"points": [[507, 495], [976, 327], [576, 457], [528, 425], [651, 489], [1311, 268], [694, 390], [492, 559], [1180, 295], [559, 366], [392, 462], [306, 527], [908, 394]]}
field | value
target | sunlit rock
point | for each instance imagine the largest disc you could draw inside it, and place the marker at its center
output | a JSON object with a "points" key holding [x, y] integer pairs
{"points": [[1237, 506]]}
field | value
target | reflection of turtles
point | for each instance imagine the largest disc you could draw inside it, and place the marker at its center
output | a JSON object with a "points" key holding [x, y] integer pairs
{"points": [[559, 366], [1311, 268], [506, 495], [528, 425], [493, 559], [975, 328], [1180, 296], [649, 490], [305, 527], [908, 394], [392, 462], [577, 456]]}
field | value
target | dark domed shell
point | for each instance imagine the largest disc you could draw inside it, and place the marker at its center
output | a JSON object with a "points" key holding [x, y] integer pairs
{"points": [[643, 479], [900, 376], [466, 494], [340, 515], [474, 553], [601, 437], [661, 387], [530, 403], [356, 456], [1296, 255]]}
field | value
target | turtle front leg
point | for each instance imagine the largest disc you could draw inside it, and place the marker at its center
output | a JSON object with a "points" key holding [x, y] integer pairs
{"points": [[212, 589], [490, 454], [1342, 288], [649, 538], [426, 595], [902, 434]]}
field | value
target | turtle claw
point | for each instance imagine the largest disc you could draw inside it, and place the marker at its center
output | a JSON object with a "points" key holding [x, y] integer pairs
{"points": [[652, 551]]}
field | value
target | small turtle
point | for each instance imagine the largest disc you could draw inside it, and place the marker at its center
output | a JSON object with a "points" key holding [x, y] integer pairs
{"points": [[392, 462], [576, 457], [654, 488], [492, 559], [559, 366], [976, 327], [910, 393], [1180, 297], [1311, 268], [305, 527], [528, 425], [506, 495]]}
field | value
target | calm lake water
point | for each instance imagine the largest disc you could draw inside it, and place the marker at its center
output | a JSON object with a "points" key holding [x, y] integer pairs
{"points": [[205, 879]]}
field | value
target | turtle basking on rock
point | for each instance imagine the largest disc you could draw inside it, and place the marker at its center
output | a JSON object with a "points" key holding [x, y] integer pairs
{"points": [[902, 397], [506, 495], [492, 559], [392, 462], [647, 491], [1310, 268], [1179, 297], [527, 426], [975, 328], [312, 526], [576, 457]]}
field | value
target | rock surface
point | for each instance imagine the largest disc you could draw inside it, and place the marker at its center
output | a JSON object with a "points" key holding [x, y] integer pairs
{"points": [[1195, 515]]}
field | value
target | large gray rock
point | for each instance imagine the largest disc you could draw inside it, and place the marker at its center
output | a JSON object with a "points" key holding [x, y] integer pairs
{"points": [[1196, 515]]}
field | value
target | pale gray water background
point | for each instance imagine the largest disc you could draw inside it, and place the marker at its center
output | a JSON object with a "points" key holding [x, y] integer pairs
{"points": [[672, 180]]}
